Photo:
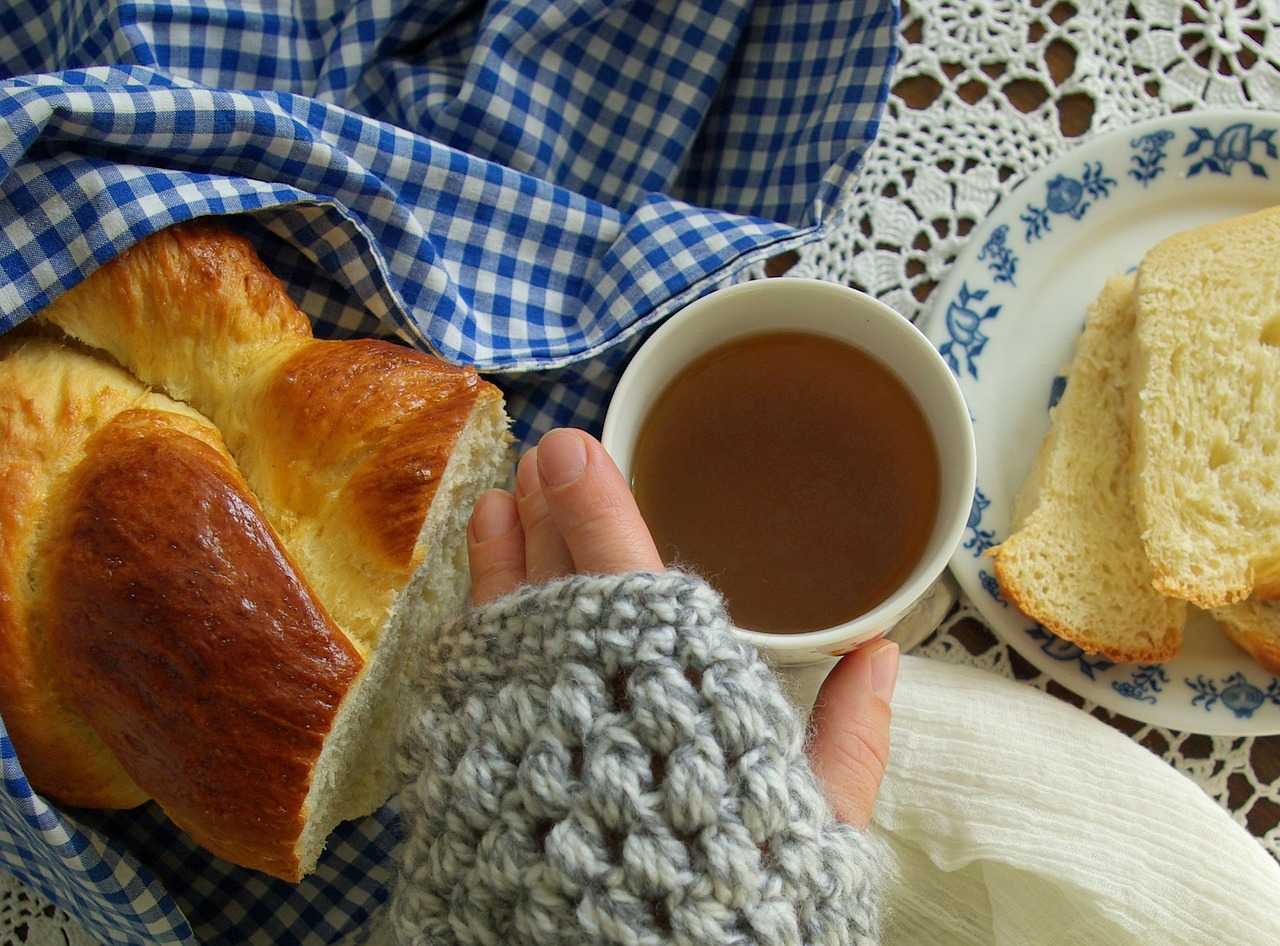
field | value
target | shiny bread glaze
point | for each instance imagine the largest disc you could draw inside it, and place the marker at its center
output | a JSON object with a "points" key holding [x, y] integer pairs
{"points": [[191, 304], [48, 398], [374, 423], [186, 635], [343, 442], [365, 458]]}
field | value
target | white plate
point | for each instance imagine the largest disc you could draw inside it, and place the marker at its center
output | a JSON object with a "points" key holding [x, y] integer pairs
{"points": [[1007, 316]]}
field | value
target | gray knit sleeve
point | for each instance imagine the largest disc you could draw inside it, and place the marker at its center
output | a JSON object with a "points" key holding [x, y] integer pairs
{"points": [[599, 761]]}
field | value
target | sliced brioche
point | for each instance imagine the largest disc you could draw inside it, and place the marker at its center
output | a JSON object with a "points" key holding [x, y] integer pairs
{"points": [[1075, 561], [346, 444], [164, 631], [189, 638], [1206, 430], [364, 457]]}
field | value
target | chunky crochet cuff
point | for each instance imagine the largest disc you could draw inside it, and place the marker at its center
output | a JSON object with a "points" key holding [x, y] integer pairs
{"points": [[599, 760]]}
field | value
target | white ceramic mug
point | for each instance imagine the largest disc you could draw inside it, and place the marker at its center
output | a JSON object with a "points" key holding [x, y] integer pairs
{"points": [[815, 306]]}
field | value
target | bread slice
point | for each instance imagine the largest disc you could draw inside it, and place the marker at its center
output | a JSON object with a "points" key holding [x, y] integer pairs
{"points": [[1206, 374], [1075, 560], [1254, 627], [364, 456]]}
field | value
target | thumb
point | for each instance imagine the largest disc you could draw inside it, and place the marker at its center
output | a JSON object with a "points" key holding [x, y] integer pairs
{"points": [[849, 747]]}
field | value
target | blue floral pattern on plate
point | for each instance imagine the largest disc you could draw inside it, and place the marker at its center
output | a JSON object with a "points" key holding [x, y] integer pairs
{"points": [[1067, 196], [1006, 318]]}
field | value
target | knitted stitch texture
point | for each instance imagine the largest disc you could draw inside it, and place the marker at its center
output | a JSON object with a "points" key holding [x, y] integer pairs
{"points": [[599, 760]]}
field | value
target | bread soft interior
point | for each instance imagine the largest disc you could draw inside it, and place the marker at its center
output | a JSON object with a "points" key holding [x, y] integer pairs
{"points": [[1074, 560], [1157, 487], [1206, 425]]}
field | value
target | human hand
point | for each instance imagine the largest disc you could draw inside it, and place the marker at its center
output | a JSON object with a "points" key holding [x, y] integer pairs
{"points": [[572, 512]]}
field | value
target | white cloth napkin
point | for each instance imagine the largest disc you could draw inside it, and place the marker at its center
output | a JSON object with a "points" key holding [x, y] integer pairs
{"points": [[1014, 818]]}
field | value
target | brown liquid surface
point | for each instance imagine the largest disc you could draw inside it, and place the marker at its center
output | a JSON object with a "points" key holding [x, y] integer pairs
{"points": [[795, 473]]}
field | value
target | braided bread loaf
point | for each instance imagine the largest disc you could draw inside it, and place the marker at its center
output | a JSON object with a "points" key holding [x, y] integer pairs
{"points": [[231, 538]]}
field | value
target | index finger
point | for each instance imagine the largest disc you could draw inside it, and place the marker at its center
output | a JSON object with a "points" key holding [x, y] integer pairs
{"points": [[592, 505]]}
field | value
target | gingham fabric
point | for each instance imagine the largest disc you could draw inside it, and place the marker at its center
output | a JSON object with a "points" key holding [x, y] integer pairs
{"points": [[522, 186]]}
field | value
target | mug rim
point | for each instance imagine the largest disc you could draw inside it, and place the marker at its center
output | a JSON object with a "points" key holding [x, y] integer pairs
{"points": [[619, 435]]}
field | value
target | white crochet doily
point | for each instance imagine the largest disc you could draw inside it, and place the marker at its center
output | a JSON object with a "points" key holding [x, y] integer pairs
{"points": [[27, 918], [985, 92]]}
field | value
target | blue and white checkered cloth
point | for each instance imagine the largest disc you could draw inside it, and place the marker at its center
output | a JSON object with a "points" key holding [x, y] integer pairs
{"points": [[525, 186]]}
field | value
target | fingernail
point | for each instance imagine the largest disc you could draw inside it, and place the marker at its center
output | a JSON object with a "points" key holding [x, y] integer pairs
{"points": [[562, 456], [884, 669], [495, 514]]}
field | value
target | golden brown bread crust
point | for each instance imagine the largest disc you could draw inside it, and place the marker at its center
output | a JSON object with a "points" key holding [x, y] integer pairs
{"points": [[141, 590], [374, 425], [341, 448], [45, 406], [191, 303], [342, 442], [188, 638], [1253, 625]]}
